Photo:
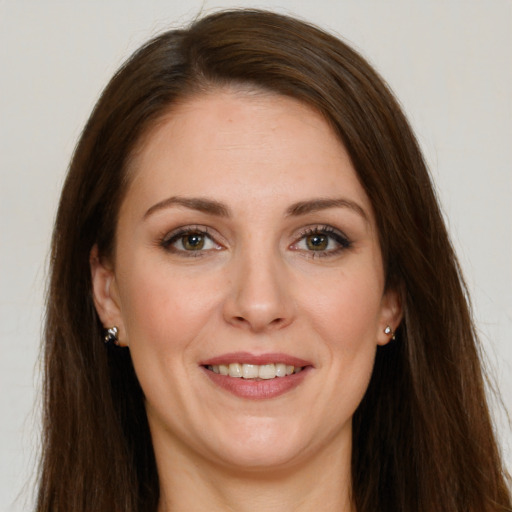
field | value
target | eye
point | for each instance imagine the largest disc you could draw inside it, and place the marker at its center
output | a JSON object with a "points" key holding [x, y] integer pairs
{"points": [[321, 241], [190, 240], [317, 242]]}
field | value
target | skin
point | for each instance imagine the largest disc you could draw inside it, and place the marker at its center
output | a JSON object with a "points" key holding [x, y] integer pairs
{"points": [[258, 285]]}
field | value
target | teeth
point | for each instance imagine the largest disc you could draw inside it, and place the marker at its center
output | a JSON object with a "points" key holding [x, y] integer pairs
{"points": [[254, 371], [250, 371], [235, 370], [280, 370], [267, 371]]}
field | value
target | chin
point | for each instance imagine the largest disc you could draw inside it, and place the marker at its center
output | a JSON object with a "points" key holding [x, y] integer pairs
{"points": [[264, 455], [255, 444]]}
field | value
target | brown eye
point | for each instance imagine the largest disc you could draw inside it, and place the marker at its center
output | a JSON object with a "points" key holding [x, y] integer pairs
{"points": [[321, 242], [193, 241], [317, 242]]}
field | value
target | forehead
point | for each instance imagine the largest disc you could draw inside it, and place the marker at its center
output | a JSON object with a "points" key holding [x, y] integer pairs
{"points": [[243, 144]]}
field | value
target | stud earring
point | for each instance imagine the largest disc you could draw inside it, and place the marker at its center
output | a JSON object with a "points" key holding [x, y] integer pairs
{"points": [[110, 336], [388, 331]]}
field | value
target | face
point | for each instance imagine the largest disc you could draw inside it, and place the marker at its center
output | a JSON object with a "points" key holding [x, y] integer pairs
{"points": [[247, 282]]}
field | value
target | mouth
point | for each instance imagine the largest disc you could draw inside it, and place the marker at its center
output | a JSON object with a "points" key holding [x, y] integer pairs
{"points": [[255, 371], [256, 376]]}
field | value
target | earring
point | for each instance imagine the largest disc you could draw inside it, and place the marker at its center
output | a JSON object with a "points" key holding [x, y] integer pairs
{"points": [[388, 330], [110, 337]]}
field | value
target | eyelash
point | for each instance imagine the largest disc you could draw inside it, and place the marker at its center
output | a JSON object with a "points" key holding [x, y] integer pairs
{"points": [[331, 233], [171, 238]]}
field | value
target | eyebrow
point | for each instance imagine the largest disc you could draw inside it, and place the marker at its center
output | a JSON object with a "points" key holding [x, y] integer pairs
{"points": [[315, 205], [194, 203], [216, 208]]}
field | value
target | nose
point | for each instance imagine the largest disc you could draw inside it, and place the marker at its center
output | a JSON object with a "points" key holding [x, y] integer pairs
{"points": [[259, 298]]}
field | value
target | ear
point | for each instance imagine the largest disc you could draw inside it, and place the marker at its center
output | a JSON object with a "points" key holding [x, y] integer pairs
{"points": [[390, 315], [105, 294]]}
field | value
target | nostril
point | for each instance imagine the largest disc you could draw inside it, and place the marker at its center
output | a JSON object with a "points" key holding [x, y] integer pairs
{"points": [[242, 320]]}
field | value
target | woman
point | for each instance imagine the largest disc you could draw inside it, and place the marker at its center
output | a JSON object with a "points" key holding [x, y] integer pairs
{"points": [[250, 227]]}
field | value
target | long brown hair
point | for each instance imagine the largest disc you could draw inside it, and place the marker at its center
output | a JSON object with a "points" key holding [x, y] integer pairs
{"points": [[422, 437]]}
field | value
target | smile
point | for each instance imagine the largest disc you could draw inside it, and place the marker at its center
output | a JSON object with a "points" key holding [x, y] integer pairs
{"points": [[254, 371], [256, 377]]}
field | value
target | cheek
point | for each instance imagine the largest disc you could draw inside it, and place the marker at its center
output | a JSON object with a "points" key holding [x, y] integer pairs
{"points": [[164, 309], [347, 317], [352, 320], [166, 315], [347, 311]]}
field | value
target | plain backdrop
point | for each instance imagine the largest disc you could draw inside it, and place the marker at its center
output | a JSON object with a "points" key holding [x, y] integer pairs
{"points": [[449, 62]]}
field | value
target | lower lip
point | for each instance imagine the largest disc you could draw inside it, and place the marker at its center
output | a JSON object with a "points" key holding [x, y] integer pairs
{"points": [[258, 389]]}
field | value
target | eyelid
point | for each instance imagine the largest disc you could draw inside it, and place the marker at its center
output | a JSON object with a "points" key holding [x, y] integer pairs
{"points": [[343, 242], [166, 241]]}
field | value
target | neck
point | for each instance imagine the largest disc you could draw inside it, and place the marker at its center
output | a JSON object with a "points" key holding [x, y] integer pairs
{"points": [[320, 482]]}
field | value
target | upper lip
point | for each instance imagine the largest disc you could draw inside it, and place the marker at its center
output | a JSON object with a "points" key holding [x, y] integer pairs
{"points": [[259, 359]]}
